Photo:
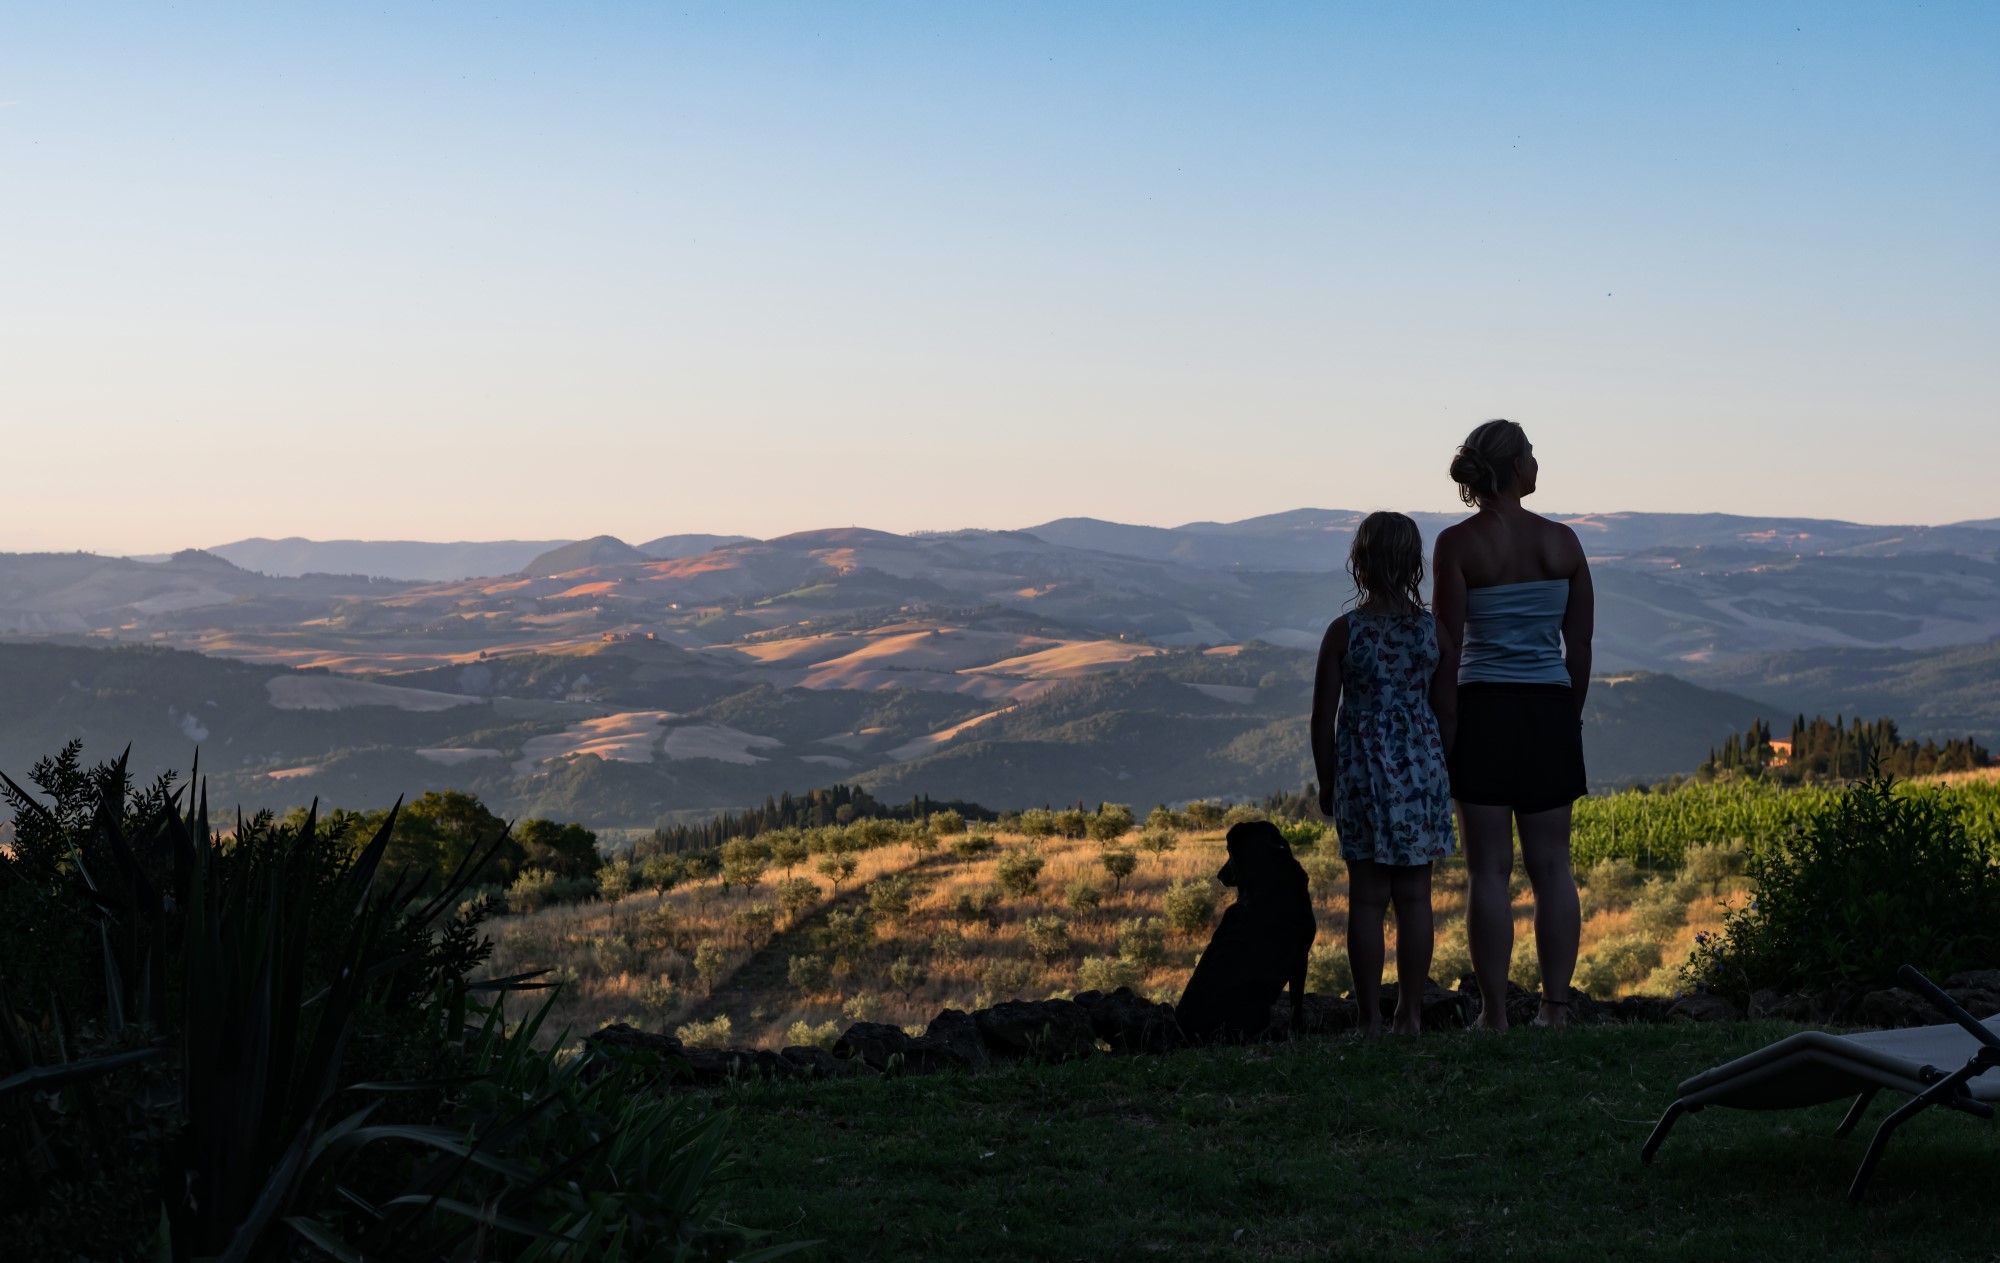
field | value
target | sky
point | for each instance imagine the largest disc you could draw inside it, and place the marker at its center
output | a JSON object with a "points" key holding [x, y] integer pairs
{"points": [[539, 271]]}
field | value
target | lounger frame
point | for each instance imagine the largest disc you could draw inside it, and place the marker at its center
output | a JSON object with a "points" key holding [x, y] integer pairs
{"points": [[1814, 1067]]}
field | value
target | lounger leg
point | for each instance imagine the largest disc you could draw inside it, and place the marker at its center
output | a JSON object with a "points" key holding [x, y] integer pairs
{"points": [[1660, 1129], [1936, 1094], [1854, 1115]]}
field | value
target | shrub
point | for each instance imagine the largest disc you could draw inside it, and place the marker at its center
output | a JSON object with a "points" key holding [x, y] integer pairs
{"points": [[889, 898], [1451, 955], [924, 842], [1617, 965], [1242, 813], [1205, 813], [755, 923], [860, 1007], [1082, 897], [1118, 865], [1324, 872], [1143, 941], [1876, 879], [1165, 817], [945, 945], [614, 881], [1158, 842], [656, 927], [1048, 937], [789, 849], [797, 896], [1713, 864], [660, 996], [1190, 906], [1327, 970], [837, 868], [1112, 822], [1615, 882], [947, 823], [805, 1035], [810, 974], [974, 905], [848, 934], [710, 964], [1662, 908], [662, 873], [532, 891], [1017, 872], [714, 1033], [744, 861], [1003, 980], [1071, 822], [1036, 822], [906, 975], [1107, 973], [1303, 835], [972, 845]]}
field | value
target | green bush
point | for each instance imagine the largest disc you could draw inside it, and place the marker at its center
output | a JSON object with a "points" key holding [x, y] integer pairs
{"points": [[1143, 941], [810, 974], [1036, 822], [1451, 955], [797, 896], [1190, 906], [1071, 822], [1111, 822], [614, 881], [972, 845], [1327, 970], [755, 923], [1118, 865], [1018, 871], [1303, 835], [1712, 865], [947, 823], [906, 974], [847, 935], [1617, 965], [889, 898], [975, 905], [860, 1007], [1662, 907], [1158, 842], [805, 1035], [714, 1033], [1048, 937], [711, 964], [1081, 897], [1003, 979], [1876, 879], [1107, 973]]}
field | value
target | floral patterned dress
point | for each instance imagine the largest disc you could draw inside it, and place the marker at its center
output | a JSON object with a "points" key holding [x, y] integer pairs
{"points": [[1391, 794]]}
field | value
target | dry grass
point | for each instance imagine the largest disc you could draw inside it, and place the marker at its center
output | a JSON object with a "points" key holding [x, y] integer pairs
{"points": [[634, 960]]}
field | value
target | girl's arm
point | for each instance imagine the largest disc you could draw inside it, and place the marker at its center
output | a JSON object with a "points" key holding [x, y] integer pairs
{"points": [[1448, 604], [1326, 705], [1444, 686], [1579, 624]]}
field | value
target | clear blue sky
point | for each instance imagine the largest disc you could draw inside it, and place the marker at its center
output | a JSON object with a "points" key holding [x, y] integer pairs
{"points": [[508, 270]]}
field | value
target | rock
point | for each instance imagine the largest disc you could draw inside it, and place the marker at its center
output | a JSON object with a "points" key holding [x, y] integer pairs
{"points": [[1703, 1006], [630, 1039], [891, 1048], [1045, 1030], [1793, 1006], [1893, 1008], [1444, 1009], [711, 1066], [1976, 990], [1131, 1023], [956, 1032], [1325, 1015], [1648, 1009], [1986, 978], [817, 1063]]}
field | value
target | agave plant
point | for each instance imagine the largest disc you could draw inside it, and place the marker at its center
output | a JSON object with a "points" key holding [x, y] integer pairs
{"points": [[215, 1073]]}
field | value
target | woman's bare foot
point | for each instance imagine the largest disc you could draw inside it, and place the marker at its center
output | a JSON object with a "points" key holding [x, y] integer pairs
{"points": [[1408, 1028], [1484, 1027], [1553, 1013]]}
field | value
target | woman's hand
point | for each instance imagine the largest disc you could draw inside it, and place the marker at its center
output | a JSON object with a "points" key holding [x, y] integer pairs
{"points": [[1326, 801]]}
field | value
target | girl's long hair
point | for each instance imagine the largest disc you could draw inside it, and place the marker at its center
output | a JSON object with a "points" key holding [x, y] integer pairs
{"points": [[1386, 560]]}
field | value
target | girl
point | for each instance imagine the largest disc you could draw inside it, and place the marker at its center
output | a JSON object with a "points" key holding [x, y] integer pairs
{"points": [[1381, 763]]}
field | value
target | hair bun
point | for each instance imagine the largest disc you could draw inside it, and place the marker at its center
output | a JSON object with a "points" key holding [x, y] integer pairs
{"points": [[1470, 469]]}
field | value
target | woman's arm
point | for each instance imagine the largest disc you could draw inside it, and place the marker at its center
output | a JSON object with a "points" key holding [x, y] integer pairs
{"points": [[1579, 624], [1444, 686], [1448, 604], [1326, 705]]}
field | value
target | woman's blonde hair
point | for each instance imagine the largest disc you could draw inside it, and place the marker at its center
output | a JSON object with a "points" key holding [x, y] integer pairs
{"points": [[1386, 560], [1484, 466]]}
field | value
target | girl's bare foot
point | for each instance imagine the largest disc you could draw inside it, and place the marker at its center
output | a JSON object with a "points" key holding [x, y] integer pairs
{"points": [[1484, 1027], [1407, 1028]]}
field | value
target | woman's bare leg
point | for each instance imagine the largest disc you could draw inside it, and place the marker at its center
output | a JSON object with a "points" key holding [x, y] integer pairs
{"points": [[1558, 921], [1367, 897], [1410, 888], [1487, 833]]}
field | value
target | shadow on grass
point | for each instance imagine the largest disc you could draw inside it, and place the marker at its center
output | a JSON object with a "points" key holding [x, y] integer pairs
{"points": [[1455, 1147]]}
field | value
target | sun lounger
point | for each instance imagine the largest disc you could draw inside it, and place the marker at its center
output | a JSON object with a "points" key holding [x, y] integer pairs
{"points": [[1942, 1065]]}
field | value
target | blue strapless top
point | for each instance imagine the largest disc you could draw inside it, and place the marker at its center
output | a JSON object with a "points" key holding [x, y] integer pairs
{"points": [[1513, 633]]}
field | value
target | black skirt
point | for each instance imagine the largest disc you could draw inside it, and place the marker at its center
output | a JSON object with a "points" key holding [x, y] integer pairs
{"points": [[1518, 745]]}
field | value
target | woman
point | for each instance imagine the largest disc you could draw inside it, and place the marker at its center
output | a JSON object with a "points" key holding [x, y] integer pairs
{"points": [[1513, 590]]}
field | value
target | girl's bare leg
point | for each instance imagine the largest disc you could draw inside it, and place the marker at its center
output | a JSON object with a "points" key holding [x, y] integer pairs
{"points": [[1410, 888], [1367, 897], [1558, 921], [1487, 833]]}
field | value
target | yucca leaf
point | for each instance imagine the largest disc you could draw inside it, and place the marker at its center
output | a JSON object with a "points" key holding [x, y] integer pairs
{"points": [[45, 1077]]}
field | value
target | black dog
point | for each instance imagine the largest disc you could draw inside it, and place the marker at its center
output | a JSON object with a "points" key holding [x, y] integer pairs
{"points": [[1260, 946]]}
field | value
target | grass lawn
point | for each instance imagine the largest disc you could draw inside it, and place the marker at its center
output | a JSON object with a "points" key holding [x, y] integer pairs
{"points": [[1455, 1146]]}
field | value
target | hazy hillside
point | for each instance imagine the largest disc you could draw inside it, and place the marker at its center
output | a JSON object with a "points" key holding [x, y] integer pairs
{"points": [[1939, 693], [668, 547], [599, 550], [383, 558]]}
